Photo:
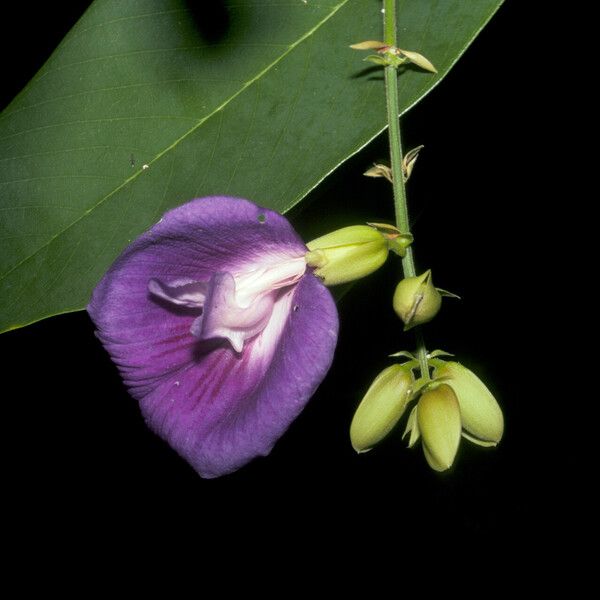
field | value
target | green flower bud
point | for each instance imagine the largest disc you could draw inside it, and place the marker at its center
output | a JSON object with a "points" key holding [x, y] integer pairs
{"points": [[416, 301], [347, 254], [481, 415], [381, 408], [438, 418]]}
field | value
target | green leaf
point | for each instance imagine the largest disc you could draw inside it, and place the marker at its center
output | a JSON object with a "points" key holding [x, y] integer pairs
{"points": [[138, 111]]}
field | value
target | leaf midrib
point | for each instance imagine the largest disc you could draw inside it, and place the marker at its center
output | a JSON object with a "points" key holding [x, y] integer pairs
{"points": [[203, 120]]}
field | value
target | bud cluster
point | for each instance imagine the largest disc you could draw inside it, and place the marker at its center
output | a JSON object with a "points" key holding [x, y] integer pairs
{"points": [[454, 403]]}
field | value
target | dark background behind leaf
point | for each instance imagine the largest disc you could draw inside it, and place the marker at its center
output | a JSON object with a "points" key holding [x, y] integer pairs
{"points": [[82, 463]]}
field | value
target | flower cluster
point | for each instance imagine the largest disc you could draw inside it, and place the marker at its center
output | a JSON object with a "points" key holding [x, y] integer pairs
{"points": [[221, 325]]}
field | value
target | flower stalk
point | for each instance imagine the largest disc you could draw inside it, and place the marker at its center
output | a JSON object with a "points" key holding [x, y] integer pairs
{"points": [[400, 204], [451, 402]]}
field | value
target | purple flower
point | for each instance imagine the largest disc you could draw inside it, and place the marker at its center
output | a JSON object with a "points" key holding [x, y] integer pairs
{"points": [[218, 328]]}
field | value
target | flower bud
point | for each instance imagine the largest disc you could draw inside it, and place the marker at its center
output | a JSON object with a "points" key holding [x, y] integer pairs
{"points": [[416, 301], [347, 254], [381, 408], [438, 417], [481, 415]]}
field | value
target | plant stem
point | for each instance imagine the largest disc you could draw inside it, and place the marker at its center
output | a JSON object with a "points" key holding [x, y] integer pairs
{"points": [[400, 204]]}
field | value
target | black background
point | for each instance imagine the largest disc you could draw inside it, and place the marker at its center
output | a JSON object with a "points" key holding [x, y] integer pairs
{"points": [[81, 464]]}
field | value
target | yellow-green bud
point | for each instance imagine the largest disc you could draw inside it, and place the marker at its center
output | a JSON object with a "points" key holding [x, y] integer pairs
{"points": [[381, 408], [481, 415], [347, 254], [416, 301], [438, 417]]}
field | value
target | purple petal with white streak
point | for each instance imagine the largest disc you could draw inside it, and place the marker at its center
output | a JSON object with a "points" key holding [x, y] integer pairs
{"points": [[218, 407]]}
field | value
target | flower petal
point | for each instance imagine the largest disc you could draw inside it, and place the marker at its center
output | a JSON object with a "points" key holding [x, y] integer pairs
{"points": [[218, 408], [191, 294], [266, 388]]}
